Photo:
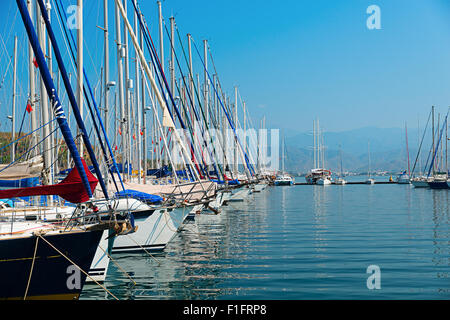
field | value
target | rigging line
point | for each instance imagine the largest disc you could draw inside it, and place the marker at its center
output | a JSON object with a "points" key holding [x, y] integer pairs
{"points": [[437, 146], [23, 137], [90, 108], [420, 146], [154, 56], [27, 151], [249, 167], [190, 98]]}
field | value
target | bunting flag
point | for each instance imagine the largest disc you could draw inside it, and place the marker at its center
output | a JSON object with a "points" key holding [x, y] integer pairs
{"points": [[120, 131], [35, 63], [29, 107], [115, 148], [134, 136], [142, 133]]}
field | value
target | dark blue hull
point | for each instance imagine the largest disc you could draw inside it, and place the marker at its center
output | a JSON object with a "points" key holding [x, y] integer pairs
{"points": [[53, 276], [438, 185]]}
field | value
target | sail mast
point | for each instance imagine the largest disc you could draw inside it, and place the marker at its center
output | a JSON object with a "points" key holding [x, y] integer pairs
{"points": [[50, 88], [44, 102], [13, 120], [106, 81], [137, 103], [32, 75], [80, 66]]}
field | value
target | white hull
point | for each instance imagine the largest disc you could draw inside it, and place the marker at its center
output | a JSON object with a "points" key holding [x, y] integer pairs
{"points": [[154, 231], [259, 187], [323, 182], [240, 195], [340, 182], [99, 266], [420, 183]]}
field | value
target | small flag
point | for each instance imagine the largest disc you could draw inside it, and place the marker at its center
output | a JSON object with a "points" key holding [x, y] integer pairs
{"points": [[134, 136], [142, 133], [29, 108], [35, 63], [120, 131], [115, 148]]}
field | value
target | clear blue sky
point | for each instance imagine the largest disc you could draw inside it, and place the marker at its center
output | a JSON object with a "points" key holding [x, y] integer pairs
{"points": [[297, 60]]}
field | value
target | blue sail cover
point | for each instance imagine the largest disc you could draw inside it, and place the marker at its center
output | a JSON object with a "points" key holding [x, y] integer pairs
{"points": [[145, 197], [19, 183], [159, 173], [230, 182]]}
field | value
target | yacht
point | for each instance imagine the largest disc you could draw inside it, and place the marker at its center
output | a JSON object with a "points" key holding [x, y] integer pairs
{"points": [[283, 180], [324, 181], [420, 182], [403, 178]]}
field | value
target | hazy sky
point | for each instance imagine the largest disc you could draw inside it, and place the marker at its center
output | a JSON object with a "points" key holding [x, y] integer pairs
{"points": [[294, 60]]}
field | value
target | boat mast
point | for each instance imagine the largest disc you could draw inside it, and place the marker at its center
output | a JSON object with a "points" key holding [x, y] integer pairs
{"points": [[235, 139], [314, 139], [80, 68], [368, 149], [128, 87], [120, 55], [50, 88], [106, 75], [143, 110], [13, 120], [407, 150], [44, 105], [137, 104], [206, 84], [161, 60], [432, 132], [32, 75]]}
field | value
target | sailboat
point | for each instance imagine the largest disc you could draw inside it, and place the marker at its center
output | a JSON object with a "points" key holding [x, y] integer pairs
{"points": [[37, 258], [369, 179], [340, 180], [404, 177], [421, 181], [283, 179], [439, 178], [318, 175]]}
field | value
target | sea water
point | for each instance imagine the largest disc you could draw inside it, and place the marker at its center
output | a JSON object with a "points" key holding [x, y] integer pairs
{"points": [[385, 241]]}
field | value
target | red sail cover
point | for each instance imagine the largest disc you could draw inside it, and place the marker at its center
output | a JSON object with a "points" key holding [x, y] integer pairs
{"points": [[70, 189]]}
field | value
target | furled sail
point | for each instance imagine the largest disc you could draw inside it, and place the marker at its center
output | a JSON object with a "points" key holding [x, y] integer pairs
{"points": [[22, 170]]}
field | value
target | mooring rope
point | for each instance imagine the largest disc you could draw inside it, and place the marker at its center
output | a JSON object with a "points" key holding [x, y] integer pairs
{"points": [[151, 256], [32, 267], [118, 266], [62, 254]]}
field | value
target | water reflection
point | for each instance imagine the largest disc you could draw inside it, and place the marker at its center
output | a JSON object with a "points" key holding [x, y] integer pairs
{"points": [[300, 242]]}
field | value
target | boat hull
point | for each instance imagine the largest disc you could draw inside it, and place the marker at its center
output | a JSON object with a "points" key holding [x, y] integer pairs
{"points": [[153, 232], [51, 275], [420, 184], [283, 183], [438, 185], [323, 182]]}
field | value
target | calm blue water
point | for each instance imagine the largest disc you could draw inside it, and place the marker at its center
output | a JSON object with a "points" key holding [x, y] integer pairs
{"points": [[301, 242]]}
